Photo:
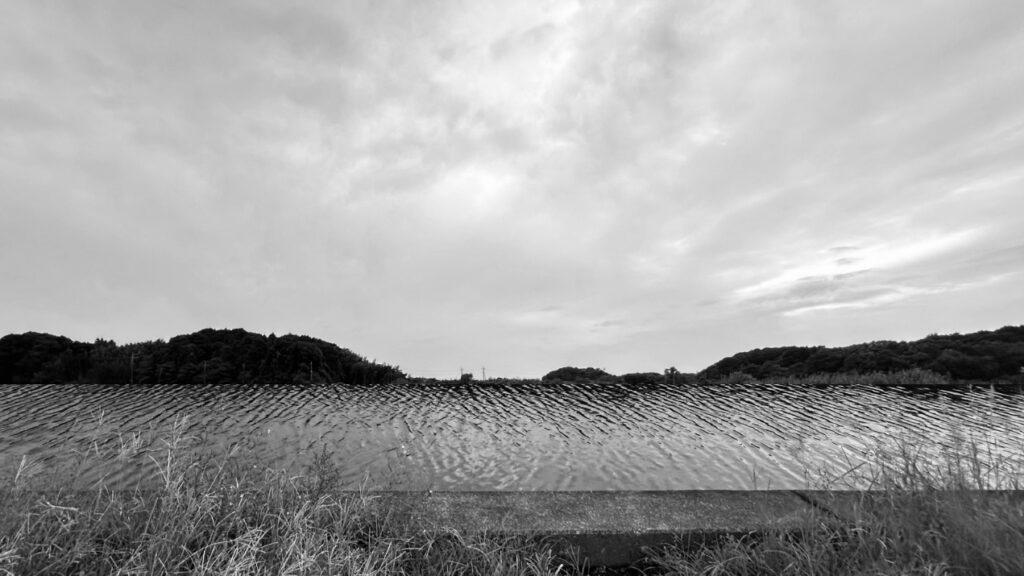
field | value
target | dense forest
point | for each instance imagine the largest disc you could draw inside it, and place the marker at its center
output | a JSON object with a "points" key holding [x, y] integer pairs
{"points": [[236, 356], [982, 356], [208, 356]]}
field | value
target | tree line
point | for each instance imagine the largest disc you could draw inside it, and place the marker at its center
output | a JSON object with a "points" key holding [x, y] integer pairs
{"points": [[237, 356], [208, 356], [982, 356]]}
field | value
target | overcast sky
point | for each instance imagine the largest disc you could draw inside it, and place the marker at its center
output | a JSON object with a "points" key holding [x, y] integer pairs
{"points": [[516, 185]]}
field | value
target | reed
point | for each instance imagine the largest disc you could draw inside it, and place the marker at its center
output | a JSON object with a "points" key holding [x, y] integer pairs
{"points": [[231, 517]]}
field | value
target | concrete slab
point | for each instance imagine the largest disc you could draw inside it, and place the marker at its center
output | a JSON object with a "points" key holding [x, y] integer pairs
{"points": [[612, 528], [855, 505], [607, 528]]}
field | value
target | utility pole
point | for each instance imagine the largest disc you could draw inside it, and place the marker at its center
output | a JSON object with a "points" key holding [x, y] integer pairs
{"points": [[132, 370], [483, 372]]}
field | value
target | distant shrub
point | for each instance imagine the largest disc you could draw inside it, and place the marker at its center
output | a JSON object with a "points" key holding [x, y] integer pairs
{"points": [[739, 378], [573, 374], [643, 378]]}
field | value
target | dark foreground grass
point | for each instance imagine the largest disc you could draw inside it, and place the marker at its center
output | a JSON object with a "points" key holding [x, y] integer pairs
{"points": [[920, 516], [227, 517], [902, 534]]}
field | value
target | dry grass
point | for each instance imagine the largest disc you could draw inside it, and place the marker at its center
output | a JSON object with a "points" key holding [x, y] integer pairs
{"points": [[233, 517]]}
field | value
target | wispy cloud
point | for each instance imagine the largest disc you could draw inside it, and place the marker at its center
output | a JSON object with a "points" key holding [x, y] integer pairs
{"points": [[864, 276]]}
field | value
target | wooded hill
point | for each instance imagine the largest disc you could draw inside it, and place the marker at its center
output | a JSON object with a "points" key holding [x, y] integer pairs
{"points": [[986, 355], [208, 356]]}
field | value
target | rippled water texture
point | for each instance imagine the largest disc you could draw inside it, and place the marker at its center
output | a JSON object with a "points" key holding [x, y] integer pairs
{"points": [[483, 437]]}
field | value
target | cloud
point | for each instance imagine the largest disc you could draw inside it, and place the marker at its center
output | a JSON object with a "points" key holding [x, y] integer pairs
{"points": [[434, 184], [883, 257]]}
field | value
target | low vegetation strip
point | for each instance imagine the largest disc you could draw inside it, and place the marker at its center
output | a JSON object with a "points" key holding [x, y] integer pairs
{"points": [[233, 517]]}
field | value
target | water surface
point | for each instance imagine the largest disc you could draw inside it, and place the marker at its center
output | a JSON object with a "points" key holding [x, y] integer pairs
{"points": [[500, 437]]}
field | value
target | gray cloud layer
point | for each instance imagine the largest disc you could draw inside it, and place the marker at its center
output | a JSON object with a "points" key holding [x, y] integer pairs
{"points": [[517, 185]]}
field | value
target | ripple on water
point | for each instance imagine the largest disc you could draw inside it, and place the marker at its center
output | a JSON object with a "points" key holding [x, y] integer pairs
{"points": [[500, 437]]}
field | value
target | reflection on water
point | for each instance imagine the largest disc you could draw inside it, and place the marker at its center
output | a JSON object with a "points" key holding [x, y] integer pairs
{"points": [[502, 437]]}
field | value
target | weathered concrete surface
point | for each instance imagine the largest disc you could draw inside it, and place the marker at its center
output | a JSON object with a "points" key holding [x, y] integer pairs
{"points": [[607, 528], [853, 506], [612, 528]]}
